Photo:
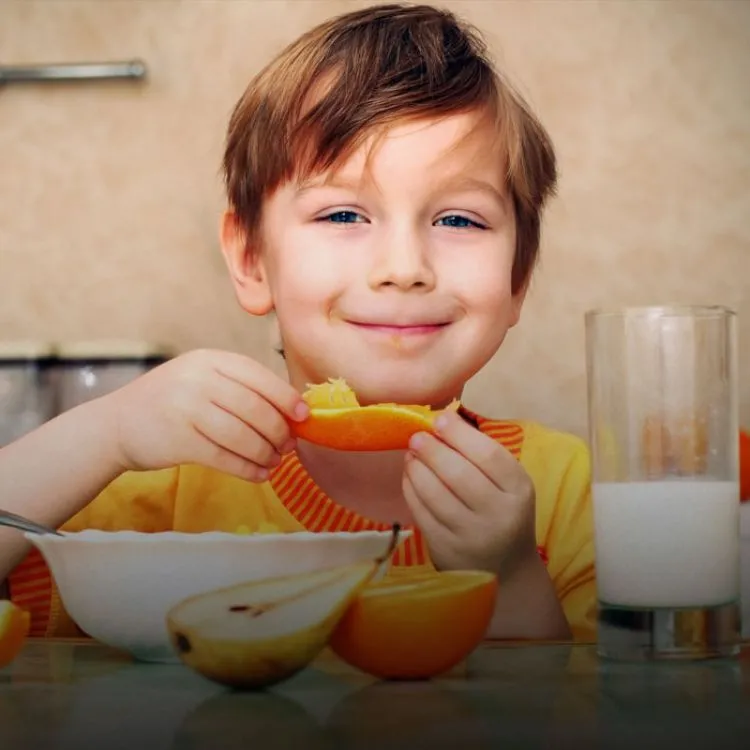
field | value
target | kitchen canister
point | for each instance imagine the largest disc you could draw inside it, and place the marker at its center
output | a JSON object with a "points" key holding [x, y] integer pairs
{"points": [[27, 387], [89, 369]]}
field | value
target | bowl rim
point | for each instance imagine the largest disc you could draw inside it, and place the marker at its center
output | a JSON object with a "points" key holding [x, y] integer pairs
{"points": [[101, 536]]}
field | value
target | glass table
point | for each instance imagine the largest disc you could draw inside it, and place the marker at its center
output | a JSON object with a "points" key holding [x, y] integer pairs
{"points": [[79, 695]]}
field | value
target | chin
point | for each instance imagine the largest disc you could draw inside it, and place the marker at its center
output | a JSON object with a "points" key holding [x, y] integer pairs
{"points": [[371, 389]]}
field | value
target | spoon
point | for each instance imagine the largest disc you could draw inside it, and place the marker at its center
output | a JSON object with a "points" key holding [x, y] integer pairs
{"points": [[18, 522]]}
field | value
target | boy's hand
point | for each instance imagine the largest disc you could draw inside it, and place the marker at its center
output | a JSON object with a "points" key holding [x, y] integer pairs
{"points": [[213, 408], [471, 498]]}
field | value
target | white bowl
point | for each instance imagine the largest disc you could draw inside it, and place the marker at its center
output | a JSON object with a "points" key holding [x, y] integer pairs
{"points": [[119, 585]]}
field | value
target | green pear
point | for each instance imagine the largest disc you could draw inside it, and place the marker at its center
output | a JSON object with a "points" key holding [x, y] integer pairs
{"points": [[256, 634]]}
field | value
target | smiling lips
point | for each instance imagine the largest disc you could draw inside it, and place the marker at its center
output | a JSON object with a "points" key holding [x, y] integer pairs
{"points": [[401, 330]]}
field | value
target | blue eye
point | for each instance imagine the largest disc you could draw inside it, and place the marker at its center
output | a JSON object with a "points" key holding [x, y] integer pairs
{"points": [[341, 217], [459, 222]]}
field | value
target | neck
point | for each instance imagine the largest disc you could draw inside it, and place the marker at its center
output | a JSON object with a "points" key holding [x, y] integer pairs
{"points": [[369, 484]]}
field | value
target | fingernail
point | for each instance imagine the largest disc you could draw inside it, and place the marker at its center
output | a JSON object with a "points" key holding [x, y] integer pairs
{"points": [[289, 446], [302, 411], [441, 422], [416, 441], [263, 474]]}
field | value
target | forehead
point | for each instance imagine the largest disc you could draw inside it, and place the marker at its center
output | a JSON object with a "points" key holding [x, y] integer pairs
{"points": [[462, 146]]}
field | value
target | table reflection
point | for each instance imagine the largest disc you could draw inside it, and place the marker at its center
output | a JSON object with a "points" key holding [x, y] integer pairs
{"points": [[540, 696]]}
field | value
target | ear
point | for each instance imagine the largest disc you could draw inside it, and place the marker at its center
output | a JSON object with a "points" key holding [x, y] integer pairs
{"points": [[246, 266]]}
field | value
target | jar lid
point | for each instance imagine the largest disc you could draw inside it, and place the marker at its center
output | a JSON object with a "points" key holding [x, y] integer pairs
{"points": [[30, 349], [111, 349]]}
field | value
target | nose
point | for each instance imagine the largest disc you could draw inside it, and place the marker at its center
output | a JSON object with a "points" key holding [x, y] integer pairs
{"points": [[401, 259]]}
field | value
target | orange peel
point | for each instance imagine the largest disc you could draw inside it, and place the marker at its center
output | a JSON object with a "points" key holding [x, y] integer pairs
{"points": [[416, 627], [337, 420], [14, 627]]}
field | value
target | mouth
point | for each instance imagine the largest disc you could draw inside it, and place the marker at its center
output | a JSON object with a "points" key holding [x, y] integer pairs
{"points": [[398, 329]]}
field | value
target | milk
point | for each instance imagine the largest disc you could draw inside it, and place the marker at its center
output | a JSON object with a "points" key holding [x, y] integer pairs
{"points": [[667, 543]]}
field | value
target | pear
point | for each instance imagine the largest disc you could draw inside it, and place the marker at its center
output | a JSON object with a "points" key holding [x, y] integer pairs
{"points": [[256, 634]]}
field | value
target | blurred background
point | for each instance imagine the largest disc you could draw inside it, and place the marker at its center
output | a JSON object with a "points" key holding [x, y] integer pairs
{"points": [[110, 191]]}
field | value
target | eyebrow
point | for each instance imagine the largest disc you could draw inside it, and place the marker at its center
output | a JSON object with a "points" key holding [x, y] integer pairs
{"points": [[334, 181], [472, 184], [449, 185]]}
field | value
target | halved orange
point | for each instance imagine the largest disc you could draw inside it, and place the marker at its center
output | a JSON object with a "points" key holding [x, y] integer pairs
{"points": [[338, 421], [744, 466], [14, 627], [416, 627]]}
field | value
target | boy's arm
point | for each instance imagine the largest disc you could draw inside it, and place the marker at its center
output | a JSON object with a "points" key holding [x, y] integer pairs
{"points": [[481, 509], [218, 409], [50, 474], [558, 600], [528, 607]]}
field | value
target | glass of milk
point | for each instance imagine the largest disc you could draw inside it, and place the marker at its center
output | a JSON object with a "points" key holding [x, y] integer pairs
{"points": [[663, 428]]}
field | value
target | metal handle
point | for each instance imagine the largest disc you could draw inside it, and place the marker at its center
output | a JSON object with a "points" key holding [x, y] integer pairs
{"points": [[134, 69], [24, 524]]}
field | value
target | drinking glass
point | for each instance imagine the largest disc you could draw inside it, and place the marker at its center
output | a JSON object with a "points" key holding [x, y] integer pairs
{"points": [[663, 429]]}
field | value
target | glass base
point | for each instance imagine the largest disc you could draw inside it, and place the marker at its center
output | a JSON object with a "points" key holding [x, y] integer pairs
{"points": [[650, 634]]}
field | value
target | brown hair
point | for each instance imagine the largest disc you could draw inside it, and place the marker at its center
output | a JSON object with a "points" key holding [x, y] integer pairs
{"points": [[315, 103]]}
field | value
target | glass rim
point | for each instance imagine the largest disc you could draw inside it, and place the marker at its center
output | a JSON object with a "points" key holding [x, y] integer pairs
{"points": [[661, 311]]}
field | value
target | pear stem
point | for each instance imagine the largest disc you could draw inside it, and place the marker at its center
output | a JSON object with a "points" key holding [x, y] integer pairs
{"points": [[396, 528]]}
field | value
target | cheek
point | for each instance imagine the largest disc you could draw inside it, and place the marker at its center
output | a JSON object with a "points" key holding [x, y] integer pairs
{"points": [[484, 287], [307, 291], [480, 271], [302, 276]]}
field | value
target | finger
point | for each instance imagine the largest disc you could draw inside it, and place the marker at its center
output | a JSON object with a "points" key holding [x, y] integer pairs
{"points": [[220, 459], [439, 500], [232, 434], [253, 410], [497, 463], [459, 475], [212, 455], [262, 381], [435, 532]]}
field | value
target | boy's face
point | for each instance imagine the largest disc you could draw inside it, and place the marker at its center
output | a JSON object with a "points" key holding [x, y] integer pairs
{"points": [[395, 275]]}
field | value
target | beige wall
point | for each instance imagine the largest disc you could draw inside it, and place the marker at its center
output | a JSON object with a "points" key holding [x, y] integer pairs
{"points": [[109, 194]]}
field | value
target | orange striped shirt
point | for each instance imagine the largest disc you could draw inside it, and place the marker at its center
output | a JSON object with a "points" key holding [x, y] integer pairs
{"points": [[194, 499], [315, 511]]}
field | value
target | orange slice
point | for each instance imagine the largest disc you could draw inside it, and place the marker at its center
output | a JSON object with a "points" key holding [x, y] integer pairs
{"points": [[416, 627], [14, 627], [338, 421]]}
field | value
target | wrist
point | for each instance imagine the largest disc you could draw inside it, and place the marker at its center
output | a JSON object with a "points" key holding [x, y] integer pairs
{"points": [[520, 562], [96, 426], [527, 605]]}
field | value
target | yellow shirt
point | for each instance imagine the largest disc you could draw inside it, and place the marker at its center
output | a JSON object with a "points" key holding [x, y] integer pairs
{"points": [[194, 499]]}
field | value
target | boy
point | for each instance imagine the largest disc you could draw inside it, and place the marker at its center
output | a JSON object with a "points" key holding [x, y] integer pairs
{"points": [[385, 188]]}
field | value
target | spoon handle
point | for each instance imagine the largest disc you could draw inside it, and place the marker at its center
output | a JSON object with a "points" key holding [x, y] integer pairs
{"points": [[18, 522]]}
